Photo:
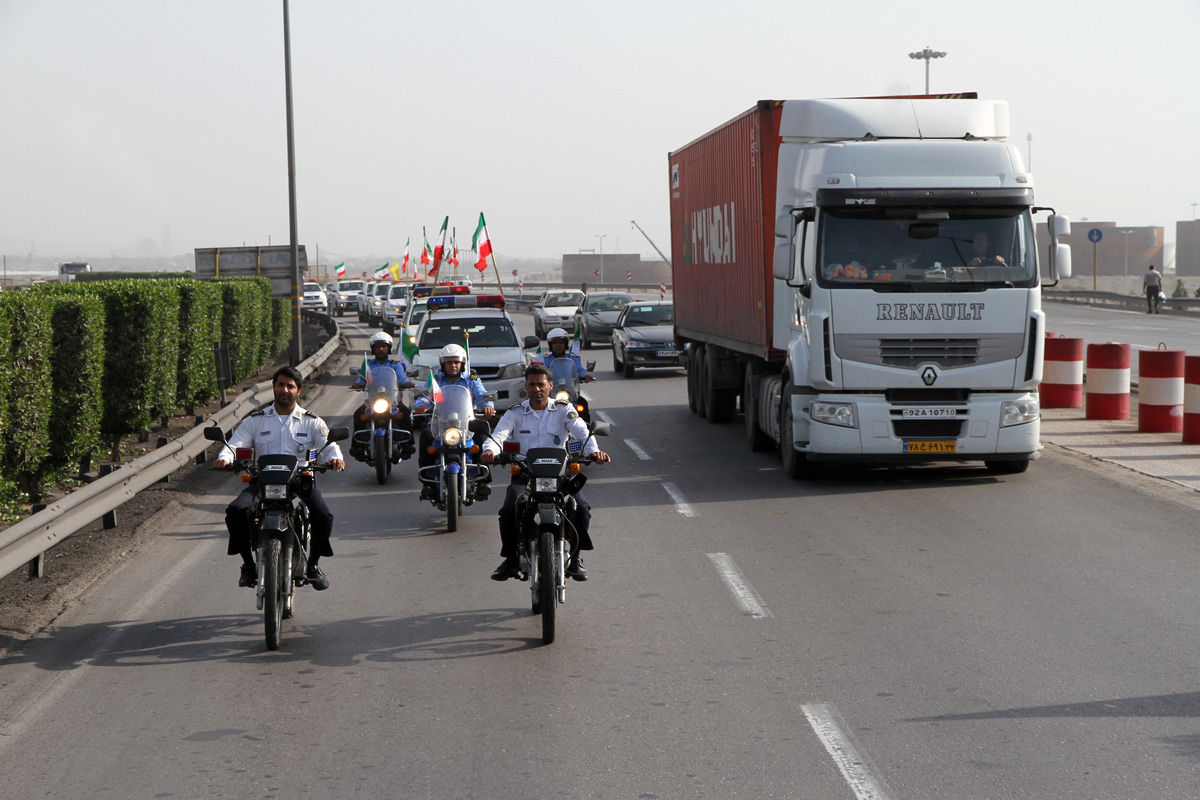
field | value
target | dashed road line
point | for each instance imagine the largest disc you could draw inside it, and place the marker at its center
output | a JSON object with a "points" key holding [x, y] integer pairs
{"points": [[826, 723], [743, 592], [681, 504], [637, 449]]}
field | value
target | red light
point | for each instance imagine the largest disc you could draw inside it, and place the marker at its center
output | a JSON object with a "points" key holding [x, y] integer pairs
{"points": [[579, 407], [243, 453], [512, 447]]}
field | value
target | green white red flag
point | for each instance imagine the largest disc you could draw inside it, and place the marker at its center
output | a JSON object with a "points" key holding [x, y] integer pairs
{"points": [[481, 244], [426, 254], [404, 266], [440, 248], [431, 385], [382, 272], [340, 270]]}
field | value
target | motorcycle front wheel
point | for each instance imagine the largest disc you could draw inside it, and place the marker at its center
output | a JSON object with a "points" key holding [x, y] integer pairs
{"points": [[381, 457], [453, 502], [547, 591], [274, 573]]}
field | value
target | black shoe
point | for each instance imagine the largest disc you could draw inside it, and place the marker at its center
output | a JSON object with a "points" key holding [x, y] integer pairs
{"points": [[509, 568], [482, 491], [428, 491], [249, 578], [406, 452], [316, 578], [575, 569]]}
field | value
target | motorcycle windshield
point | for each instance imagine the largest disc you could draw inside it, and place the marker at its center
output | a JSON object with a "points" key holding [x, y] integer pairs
{"points": [[383, 382], [454, 410], [566, 377], [276, 468]]}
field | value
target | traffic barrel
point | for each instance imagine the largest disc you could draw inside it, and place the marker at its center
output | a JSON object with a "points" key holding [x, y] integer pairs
{"points": [[1107, 381], [1062, 374], [1191, 400], [1160, 390]]}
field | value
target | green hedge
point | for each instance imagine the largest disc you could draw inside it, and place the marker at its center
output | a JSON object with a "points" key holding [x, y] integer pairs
{"points": [[77, 367], [281, 325], [199, 330], [9, 302], [246, 323], [27, 435]]}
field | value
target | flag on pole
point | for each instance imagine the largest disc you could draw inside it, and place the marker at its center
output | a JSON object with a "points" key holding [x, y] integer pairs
{"points": [[408, 348], [364, 370], [340, 270], [481, 244], [440, 248], [538, 358], [426, 254], [404, 266], [431, 386], [453, 259], [395, 270], [381, 273]]}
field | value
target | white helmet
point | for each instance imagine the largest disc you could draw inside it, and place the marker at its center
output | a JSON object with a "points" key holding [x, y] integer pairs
{"points": [[452, 352], [381, 337], [557, 333]]}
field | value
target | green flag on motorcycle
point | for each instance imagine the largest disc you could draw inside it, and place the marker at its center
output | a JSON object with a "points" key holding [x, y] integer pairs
{"points": [[408, 347], [364, 369]]}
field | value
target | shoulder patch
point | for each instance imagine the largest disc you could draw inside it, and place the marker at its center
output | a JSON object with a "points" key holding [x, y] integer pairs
{"points": [[258, 412], [310, 414]]}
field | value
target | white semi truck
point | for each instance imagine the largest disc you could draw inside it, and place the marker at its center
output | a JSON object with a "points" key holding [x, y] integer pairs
{"points": [[863, 274]]}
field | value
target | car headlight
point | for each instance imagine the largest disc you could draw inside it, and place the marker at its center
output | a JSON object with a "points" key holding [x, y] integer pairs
{"points": [[275, 491], [842, 414], [381, 405], [545, 484], [511, 371], [1018, 412], [452, 437]]}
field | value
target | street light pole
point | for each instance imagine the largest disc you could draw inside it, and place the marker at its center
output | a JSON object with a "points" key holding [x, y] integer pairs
{"points": [[296, 353], [1125, 280], [927, 55], [601, 236]]}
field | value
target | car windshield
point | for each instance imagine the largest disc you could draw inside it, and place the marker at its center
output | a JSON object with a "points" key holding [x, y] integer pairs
{"points": [[924, 250], [312, 287], [649, 315], [352, 286], [399, 290], [607, 302], [381, 289], [415, 314], [478, 331], [563, 299]]}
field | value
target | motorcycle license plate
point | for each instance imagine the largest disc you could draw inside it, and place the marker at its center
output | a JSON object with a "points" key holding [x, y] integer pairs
{"points": [[930, 446], [668, 353]]}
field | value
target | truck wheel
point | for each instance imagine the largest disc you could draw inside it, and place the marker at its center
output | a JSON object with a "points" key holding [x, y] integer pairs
{"points": [[719, 403], [691, 381], [759, 441], [795, 465], [701, 379]]}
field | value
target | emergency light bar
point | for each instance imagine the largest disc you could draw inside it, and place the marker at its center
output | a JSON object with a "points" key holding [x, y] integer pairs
{"points": [[467, 301]]}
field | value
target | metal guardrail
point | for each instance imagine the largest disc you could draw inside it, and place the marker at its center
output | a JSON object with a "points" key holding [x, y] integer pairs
{"points": [[1182, 304], [34, 535]]}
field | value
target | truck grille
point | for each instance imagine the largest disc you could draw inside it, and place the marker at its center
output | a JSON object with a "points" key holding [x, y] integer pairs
{"points": [[927, 428], [910, 352]]}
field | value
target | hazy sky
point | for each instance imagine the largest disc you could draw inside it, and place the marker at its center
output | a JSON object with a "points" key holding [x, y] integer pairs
{"points": [[120, 117]]}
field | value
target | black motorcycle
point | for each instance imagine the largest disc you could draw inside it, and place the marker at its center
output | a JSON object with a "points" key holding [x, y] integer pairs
{"points": [[460, 478], [279, 524], [383, 442], [544, 513]]}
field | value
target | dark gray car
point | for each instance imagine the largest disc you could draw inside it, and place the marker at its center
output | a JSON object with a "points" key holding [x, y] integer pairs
{"points": [[644, 336], [598, 314]]}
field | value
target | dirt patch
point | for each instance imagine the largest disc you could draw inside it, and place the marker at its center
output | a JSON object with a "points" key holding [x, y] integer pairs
{"points": [[27, 604]]}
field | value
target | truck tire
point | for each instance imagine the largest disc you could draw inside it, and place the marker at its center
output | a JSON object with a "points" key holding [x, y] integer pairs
{"points": [[759, 442], [720, 404], [691, 381], [699, 382]]}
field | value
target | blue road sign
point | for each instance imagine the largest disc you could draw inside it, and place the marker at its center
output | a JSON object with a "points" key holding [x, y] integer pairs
{"points": [[1094, 235]]}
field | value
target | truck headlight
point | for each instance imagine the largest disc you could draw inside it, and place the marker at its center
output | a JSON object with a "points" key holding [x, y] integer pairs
{"points": [[511, 371], [1018, 412], [842, 414]]}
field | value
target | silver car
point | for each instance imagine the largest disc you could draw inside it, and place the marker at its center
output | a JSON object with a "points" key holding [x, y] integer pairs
{"points": [[556, 309]]}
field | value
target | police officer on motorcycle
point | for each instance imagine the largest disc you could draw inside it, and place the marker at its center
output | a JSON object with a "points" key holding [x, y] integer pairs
{"points": [[282, 428], [538, 422], [381, 348], [560, 343], [453, 360]]}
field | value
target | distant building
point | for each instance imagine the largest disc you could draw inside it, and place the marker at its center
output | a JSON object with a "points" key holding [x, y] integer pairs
{"points": [[1145, 246], [1187, 247], [616, 269]]}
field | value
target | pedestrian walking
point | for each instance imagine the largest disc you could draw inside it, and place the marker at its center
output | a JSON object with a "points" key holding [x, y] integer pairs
{"points": [[1152, 286]]}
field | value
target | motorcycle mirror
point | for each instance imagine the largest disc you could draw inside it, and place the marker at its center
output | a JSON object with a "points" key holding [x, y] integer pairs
{"points": [[531, 342], [214, 433], [338, 434], [590, 366], [601, 429]]}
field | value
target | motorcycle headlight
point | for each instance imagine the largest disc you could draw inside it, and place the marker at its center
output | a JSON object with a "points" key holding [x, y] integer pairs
{"points": [[835, 414], [545, 484], [275, 491], [1017, 412], [562, 397], [380, 405], [452, 437]]}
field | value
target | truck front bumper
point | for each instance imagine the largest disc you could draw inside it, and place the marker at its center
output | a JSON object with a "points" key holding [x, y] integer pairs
{"points": [[882, 432]]}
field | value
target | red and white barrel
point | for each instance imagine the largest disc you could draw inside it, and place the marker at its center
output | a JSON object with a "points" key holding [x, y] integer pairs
{"points": [[1107, 381], [1191, 400], [1062, 374], [1160, 391]]}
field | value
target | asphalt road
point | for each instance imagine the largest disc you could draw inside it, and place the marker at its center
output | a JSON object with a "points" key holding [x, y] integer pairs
{"points": [[934, 632], [1141, 331]]}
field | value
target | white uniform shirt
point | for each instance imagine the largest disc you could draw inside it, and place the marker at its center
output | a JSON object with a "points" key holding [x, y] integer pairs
{"points": [[547, 428], [271, 434]]}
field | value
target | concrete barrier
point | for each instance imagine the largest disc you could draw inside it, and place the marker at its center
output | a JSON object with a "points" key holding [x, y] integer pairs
{"points": [[1160, 390], [1062, 374], [1107, 381]]}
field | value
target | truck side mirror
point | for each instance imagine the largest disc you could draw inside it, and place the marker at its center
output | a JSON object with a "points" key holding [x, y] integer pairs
{"points": [[1060, 261], [785, 256]]}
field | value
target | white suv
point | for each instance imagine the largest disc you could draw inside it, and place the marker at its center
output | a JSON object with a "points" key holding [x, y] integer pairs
{"points": [[496, 352], [314, 297], [394, 307]]}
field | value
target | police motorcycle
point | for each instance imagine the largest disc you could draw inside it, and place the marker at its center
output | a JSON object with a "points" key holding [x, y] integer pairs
{"points": [[279, 524], [383, 440], [567, 389], [460, 478], [544, 513]]}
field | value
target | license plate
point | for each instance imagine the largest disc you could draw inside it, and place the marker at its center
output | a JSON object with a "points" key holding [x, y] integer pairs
{"points": [[668, 354], [929, 413], [930, 446]]}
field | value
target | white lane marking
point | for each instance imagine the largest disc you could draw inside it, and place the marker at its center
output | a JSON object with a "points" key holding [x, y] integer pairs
{"points": [[637, 449], [604, 417], [824, 719], [681, 505], [47, 699], [747, 598]]}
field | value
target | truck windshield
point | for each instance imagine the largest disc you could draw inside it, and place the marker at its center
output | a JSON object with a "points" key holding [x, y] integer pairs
{"points": [[926, 249]]}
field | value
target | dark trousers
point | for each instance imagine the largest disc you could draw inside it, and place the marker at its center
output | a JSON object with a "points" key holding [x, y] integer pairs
{"points": [[1152, 299], [237, 520], [510, 535]]}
